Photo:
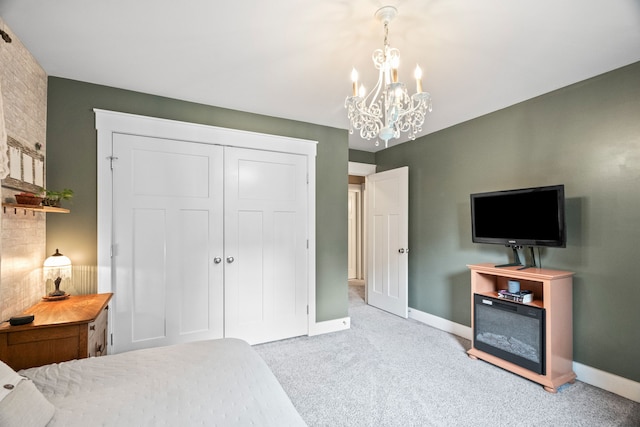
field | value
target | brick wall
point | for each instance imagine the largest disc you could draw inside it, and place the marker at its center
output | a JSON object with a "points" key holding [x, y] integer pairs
{"points": [[23, 86], [24, 91], [23, 252]]}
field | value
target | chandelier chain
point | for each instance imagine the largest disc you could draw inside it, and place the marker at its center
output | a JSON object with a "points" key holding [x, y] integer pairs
{"points": [[386, 33]]}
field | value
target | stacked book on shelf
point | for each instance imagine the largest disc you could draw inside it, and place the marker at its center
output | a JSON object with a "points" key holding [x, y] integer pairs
{"points": [[521, 296]]}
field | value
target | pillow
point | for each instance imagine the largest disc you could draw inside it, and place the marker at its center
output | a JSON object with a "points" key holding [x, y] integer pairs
{"points": [[21, 403]]}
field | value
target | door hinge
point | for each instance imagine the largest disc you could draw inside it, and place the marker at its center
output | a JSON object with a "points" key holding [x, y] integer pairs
{"points": [[111, 159], [111, 339], [307, 243], [307, 309]]}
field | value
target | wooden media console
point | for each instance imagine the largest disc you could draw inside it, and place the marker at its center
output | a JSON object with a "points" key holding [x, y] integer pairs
{"points": [[552, 290]]}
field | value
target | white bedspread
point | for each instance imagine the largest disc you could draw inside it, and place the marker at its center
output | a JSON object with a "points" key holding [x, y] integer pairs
{"points": [[207, 383]]}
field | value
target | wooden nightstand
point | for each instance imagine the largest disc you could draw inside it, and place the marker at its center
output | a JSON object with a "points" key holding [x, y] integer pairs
{"points": [[73, 328]]}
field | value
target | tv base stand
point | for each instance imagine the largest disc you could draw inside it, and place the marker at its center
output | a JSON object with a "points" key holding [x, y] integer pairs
{"points": [[516, 259], [552, 290]]}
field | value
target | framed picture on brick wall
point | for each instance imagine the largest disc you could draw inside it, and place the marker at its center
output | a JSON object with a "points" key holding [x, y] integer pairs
{"points": [[26, 168]]}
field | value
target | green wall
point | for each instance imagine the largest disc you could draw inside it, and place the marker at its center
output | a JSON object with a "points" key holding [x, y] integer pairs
{"points": [[71, 163], [360, 156], [585, 136]]}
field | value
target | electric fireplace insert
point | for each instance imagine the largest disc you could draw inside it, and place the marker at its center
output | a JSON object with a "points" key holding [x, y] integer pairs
{"points": [[511, 331]]}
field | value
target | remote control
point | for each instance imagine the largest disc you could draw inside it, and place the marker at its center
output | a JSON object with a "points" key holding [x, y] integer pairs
{"points": [[21, 320]]}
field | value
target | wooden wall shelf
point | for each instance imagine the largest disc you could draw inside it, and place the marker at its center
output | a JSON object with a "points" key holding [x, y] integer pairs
{"points": [[47, 209]]}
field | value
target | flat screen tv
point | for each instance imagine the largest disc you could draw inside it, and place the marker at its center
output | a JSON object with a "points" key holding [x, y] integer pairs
{"points": [[522, 217]]}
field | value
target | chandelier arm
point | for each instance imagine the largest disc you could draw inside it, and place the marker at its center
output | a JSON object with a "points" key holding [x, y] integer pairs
{"points": [[376, 89]]}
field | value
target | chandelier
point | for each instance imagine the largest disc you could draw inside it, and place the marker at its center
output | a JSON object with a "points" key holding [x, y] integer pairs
{"points": [[388, 109]]}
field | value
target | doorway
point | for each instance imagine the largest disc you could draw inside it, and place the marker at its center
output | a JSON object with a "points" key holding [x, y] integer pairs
{"points": [[357, 239], [355, 221], [384, 237]]}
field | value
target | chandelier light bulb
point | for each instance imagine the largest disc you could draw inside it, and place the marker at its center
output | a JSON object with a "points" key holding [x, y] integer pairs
{"points": [[354, 80], [395, 63], [418, 76]]}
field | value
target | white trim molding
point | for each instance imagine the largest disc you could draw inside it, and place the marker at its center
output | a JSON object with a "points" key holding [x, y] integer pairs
{"points": [[611, 382], [328, 326], [361, 169], [440, 323], [615, 384]]}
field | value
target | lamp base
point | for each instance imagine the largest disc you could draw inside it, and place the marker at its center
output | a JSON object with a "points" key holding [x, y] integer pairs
{"points": [[55, 298], [57, 293]]}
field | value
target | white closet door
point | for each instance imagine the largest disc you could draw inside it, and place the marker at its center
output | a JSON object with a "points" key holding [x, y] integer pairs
{"points": [[167, 230], [265, 245]]}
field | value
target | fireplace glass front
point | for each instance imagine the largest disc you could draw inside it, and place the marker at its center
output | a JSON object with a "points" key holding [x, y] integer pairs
{"points": [[510, 331]]}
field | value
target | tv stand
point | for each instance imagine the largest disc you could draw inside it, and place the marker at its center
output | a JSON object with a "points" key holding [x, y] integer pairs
{"points": [[516, 258], [533, 260], [552, 290]]}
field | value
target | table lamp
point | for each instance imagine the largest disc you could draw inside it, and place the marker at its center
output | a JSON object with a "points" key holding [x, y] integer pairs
{"points": [[56, 268]]}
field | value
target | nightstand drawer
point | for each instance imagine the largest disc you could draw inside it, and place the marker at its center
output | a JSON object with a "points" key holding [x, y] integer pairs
{"points": [[97, 342], [42, 334]]}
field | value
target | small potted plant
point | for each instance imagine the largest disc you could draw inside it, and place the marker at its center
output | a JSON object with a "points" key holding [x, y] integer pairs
{"points": [[53, 198]]}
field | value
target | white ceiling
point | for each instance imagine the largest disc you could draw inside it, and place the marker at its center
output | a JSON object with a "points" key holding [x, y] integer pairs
{"points": [[293, 58]]}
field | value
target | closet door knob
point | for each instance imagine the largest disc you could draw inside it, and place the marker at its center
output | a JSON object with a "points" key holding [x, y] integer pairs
{"points": [[230, 259], [217, 260]]}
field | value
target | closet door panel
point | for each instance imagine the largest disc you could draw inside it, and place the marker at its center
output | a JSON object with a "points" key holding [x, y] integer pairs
{"points": [[167, 229], [266, 239]]}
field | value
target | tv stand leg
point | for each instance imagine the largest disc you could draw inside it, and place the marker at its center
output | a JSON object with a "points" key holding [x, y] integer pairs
{"points": [[550, 390], [533, 260], [516, 259]]}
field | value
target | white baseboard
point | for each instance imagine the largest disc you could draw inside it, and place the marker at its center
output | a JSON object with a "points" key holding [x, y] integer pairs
{"points": [[615, 384], [611, 382], [329, 326], [440, 323]]}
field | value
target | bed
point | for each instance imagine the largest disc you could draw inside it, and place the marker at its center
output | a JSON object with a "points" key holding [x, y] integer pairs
{"points": [[218, 382]]}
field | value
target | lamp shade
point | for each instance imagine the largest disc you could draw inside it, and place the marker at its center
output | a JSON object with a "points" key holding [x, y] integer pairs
{"points": [[57, 266]]}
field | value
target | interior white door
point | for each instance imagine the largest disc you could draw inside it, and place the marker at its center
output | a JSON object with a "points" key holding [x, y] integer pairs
{"points": [[387, 240], [167, 231], [265, 245]]}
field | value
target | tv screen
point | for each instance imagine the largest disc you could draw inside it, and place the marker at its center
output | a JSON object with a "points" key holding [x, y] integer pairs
{"points": [[522, 217]]}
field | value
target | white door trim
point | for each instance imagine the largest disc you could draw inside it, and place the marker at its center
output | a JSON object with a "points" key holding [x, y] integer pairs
{"points": [[111, 122], [355, 230], [361, 169]]}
